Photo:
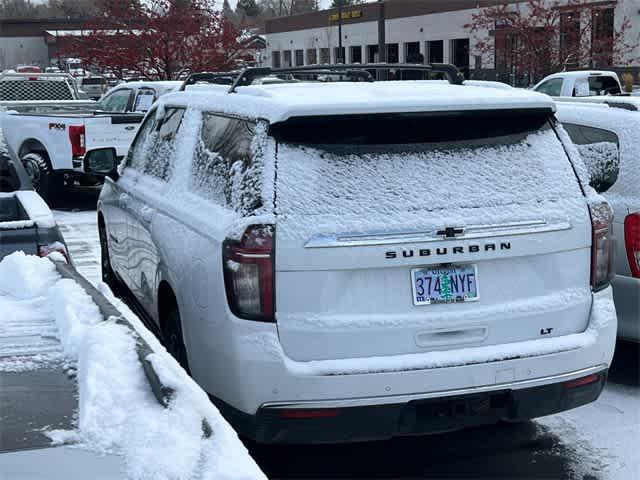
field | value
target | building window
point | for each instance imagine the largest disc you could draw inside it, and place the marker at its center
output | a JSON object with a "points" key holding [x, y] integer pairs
{"points": [[460, 54], [602, 33], [275, 59], [325, 56], [299, 58], [412, 53], [355, 54], [393, 53], [570, 39], [435, 51], [287, 59], [372, 53], [338, 55], [312, 56]]}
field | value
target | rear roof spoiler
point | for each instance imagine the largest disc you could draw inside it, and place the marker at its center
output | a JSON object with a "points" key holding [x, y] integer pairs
{"points": [[357, 71]]}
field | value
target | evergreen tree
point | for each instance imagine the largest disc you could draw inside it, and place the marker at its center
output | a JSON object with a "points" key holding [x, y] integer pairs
{"points": [[247, 7]]}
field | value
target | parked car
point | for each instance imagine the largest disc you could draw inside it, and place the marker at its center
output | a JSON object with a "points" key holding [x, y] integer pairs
{"points": [[26, 222], [94, 86], [607, 139], [334, 269], [584, 83]]}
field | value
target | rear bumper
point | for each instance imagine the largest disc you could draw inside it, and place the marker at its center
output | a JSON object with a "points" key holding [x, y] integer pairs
{"points": [[369, 419], [253, 380], [626, 294]]}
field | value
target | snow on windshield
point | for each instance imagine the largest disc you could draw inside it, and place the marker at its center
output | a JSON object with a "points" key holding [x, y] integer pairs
{"points": [[520, 180]]}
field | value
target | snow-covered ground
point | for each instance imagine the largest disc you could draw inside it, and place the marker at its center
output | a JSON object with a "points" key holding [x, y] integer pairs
{"points": [[602, 438], [47, 320]]}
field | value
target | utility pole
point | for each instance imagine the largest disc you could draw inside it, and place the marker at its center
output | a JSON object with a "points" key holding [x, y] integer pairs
{"points": [[382, 41], [339, 58]]}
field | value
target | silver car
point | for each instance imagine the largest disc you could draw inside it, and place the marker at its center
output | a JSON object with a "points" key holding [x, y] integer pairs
{"points": [[607, 140]]}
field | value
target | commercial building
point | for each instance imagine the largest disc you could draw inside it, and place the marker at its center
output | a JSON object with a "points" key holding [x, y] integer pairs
{"points": [[432, 31], [32, 41]]}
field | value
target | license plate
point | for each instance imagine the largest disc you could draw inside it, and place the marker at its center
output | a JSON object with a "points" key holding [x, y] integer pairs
{"points": [[445, 284]]}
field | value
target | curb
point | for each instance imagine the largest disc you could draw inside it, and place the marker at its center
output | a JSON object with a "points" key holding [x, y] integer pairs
{"points": [[162, 393]]}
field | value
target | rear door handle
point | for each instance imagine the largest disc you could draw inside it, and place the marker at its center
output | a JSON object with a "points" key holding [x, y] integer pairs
{"points": [[130, 127]]}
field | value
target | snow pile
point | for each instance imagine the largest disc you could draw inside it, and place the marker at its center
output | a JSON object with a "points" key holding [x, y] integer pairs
{"points": [[27, 331], [118, 412], [25, 276]]}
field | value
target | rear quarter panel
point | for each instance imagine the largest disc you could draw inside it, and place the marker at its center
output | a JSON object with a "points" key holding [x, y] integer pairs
{"points": [[50, 131], [115, 131]]}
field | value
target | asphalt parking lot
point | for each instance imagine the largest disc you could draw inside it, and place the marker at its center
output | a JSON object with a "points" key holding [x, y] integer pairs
{"points": [[597, 441]]}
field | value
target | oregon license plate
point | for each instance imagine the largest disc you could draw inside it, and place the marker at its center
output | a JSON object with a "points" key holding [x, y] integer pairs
{"points": [[444, 284]]}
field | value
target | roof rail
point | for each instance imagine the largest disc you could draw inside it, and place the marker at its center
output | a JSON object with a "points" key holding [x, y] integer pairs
{"points": [[220, 78], [359, 71]]}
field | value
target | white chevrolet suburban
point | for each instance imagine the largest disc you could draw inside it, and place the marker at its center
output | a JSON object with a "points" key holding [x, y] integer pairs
{"points": [[352, 261]]}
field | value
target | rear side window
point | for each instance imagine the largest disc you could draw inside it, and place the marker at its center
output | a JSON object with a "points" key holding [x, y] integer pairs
{"points": [[224, 170], [117, 102], [551, 87], [144, 100], [161, 157], [600, 150], [604, 86]]}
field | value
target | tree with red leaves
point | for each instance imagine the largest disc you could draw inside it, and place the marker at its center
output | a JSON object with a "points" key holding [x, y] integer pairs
{"points": [[535, 38], [160, 39]]}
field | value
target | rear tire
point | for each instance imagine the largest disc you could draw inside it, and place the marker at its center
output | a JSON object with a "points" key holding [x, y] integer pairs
{"points": [[108, 275], [40, 174], [172, 334]]}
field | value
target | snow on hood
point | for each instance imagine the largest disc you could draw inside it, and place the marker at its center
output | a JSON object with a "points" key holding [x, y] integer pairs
{"points": [[118, 412], [278, 102]]}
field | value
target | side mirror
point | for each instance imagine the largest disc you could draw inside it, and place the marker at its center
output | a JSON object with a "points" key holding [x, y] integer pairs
{"points": [[101, 161]]}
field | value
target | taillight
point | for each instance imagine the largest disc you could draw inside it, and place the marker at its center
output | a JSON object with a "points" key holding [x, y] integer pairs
{"points": [[76, 136], [56, 247], [249, 273], [602, 246], [632, 242]]}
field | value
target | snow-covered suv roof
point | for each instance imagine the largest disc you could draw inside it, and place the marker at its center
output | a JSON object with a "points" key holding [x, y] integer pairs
{"points": [[278, 102]]}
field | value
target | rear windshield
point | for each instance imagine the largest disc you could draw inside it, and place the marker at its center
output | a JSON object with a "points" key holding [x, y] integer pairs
{"points": [[92, 81], [365, 165]]}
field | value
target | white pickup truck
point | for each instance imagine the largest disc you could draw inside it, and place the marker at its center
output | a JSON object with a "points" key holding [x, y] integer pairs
{"points": [[52, 144], [584, 83], [37, 91]]}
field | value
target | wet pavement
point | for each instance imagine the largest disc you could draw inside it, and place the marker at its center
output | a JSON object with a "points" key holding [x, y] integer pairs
{"points": [[34, 402]]}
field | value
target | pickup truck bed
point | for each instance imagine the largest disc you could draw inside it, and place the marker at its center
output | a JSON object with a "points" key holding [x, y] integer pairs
{"points": [[25, 224]]}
